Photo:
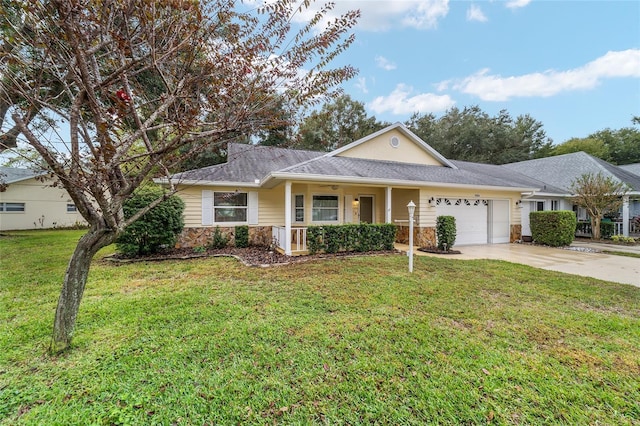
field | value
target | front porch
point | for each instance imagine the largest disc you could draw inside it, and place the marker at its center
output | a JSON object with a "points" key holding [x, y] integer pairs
{"points": [[298, 240], [632, 229]]}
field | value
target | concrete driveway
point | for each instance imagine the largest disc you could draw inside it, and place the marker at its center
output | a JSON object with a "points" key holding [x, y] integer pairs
{"points": [[620, 269]]}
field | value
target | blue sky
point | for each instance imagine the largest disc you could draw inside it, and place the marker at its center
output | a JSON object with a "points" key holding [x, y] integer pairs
{"points": [[572, 65]]}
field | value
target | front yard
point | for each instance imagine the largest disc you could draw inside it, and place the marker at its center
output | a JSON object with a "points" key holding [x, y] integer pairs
{"points": [[343, 341]]}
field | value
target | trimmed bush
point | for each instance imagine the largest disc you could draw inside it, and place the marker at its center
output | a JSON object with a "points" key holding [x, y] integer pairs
{"points": [[219, 239], [155, 230], [242, 236], [353, 237], [553, 228], [446, 232]]}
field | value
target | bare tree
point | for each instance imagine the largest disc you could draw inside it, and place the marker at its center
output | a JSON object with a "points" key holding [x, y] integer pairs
{"points": [[132, 81], [599, 195]]}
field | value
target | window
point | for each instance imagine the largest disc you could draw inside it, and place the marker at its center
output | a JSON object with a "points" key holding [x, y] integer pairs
{"points": [[555, 205], [230, 206], [11, 207], [299, 208], [71, 208], [539, 206], [325, 208]]}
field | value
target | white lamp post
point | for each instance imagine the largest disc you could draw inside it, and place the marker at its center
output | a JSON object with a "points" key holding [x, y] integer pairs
{"points": [[412, 209]]}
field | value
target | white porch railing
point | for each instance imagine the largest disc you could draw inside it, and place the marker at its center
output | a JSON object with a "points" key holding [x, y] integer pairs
{"points": [[298, 238], [584, 228]]}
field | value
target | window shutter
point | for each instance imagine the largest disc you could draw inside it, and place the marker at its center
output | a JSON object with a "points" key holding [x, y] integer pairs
{"points": [[348, 209], [253, 207], [207, 208]]}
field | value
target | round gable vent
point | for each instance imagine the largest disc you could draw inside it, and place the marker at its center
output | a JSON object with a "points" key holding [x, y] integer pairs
{"points": [[395, 142]]}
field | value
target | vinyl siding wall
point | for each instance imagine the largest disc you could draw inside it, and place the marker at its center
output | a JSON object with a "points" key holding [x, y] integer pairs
{"points": [[45, 206], [271, 202]]}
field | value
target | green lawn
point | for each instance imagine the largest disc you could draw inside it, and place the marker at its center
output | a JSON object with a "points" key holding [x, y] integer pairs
{"points": [[345, 341]]}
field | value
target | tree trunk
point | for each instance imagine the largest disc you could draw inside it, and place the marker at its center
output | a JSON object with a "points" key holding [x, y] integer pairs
{"points": [[73, 286], [595, 227]]}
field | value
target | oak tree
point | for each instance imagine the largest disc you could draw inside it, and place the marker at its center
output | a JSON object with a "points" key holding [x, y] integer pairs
{"points": [[108, 91]]}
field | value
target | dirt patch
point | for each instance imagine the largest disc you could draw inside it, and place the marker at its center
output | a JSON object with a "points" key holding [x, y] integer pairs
{"points": [[250, 256], [436, 251]]}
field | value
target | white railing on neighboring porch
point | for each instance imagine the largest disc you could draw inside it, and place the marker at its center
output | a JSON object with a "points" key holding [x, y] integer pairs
{"points": [[584, 228], [298, 238]]}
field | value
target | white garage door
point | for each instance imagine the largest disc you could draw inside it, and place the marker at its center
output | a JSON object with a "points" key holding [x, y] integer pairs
{"points": [[471, 218]]}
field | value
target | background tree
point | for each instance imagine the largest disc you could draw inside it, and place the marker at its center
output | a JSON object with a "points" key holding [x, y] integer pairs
{"points": [[621, 146], [599, 195], [218, 74], [338, 123], [590, 145], [471, 134]]}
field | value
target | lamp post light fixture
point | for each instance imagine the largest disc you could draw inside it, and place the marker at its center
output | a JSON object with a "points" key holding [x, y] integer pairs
{"points": [[412, 209]]}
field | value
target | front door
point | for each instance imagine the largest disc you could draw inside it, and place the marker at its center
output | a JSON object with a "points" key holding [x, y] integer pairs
{"points": [[366, 209]]}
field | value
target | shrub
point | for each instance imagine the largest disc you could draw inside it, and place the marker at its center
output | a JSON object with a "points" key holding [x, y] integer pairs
{"points": [[242, 236], [446, 232], [353, 237], [553, 228], [607, 229], [219, 239], [157, 229], [622, 239]]}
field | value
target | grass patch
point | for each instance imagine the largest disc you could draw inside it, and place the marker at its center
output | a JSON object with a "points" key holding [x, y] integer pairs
{"points": [[622, 253], [347, 341]]}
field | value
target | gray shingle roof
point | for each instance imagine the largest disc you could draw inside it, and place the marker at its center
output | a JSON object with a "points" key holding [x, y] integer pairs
{"points": [[246, 163], [466, 174], [560, 171], [12, 174], [632, 168]]}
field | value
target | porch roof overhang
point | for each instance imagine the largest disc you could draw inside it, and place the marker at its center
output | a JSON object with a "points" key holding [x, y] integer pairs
{"points": [[202, 182], [276, 178]]}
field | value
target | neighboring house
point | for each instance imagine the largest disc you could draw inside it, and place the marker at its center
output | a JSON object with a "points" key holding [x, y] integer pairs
{"points": [[560, 171], [28, 200], [278, 192]]}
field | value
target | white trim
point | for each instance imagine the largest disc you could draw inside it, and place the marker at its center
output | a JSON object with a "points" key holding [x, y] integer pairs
{"points": [[388, 204], [326, 222], [252, 208], [294, 208], [348, 208], [287, 218], [207, 207]]}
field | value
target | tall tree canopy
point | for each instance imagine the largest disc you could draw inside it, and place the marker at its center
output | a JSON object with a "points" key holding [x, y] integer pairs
{"points": [[471, 134], [620, 146], [336, 124], [136, 80]]}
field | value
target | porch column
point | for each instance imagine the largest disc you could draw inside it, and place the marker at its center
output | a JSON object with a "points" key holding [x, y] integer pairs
{"points": [[287, 218], [387, 208], [625, 215]]}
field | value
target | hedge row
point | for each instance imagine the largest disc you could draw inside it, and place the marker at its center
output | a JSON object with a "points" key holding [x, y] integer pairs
{"points": [[353, 237], [553, 228]]}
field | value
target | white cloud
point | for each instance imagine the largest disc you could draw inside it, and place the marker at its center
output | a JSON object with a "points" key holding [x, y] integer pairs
{"points": [[384, 15], [516, 4], [361, 84], [474, 13], [489, 87], [401, 102], [384, 63]]}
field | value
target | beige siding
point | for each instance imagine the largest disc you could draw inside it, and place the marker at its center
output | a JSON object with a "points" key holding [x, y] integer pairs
{"points": [[271, 202], [380, 148], [45, 206]]}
